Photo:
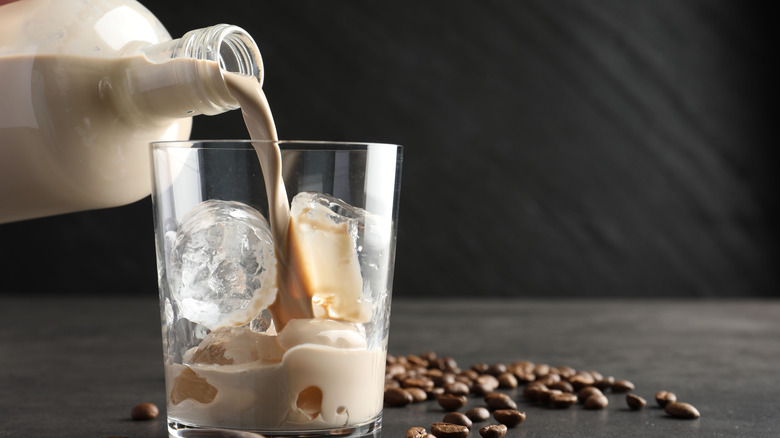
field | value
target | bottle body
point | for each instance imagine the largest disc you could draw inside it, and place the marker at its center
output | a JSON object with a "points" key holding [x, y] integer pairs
{"points": [[87, 85]]}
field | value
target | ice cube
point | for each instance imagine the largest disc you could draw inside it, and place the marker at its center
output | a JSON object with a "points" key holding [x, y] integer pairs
{"points": [[222, 266], [333, 251], [236, 345]]}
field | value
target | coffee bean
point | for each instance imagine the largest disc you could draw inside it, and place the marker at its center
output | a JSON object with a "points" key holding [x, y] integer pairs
{"points": [[497, 400], [457, 418], [545, 396], [605, 383], [487, 379], [398, 397], [496, 369], [480, 367], [416, 432], [457, 388], [596, 401], [682, 410], [622, 386], [429, 356], [566, 371], [482, 389], [549, 379], [562, 386], [417, 360], [581, 380], [418, 394], [507, 380], [447, 430], [587, 392], [451, 402], [478, 414], [635, 402], [509, 417], [541, 369], [417, 382], [144, 412], [663, 398], [470, 374], [562, 400], [532, 390], [493, 431]]}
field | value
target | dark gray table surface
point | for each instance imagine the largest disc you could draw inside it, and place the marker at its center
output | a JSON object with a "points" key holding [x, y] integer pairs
{"points": [[74, 367]]}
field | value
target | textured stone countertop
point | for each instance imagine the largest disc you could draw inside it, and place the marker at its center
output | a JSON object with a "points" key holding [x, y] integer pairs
{"points": [[74, 367]]}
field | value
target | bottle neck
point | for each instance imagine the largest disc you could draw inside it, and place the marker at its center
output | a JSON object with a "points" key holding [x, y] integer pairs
{"points": [[185, 77]]}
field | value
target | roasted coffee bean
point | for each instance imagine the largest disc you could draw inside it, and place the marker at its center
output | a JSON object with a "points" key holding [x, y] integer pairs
{"points": [[596, 401], [682, 410], [391, 383], [525, 377], [493, 431], [622, 386], [596, 375], [478, 414], [635, 402], [416, 432], [663, 398], [418, 394], [497, 400], [487, 379], [460, 378], [144, 412], [605, 383], [562, 386], [549, 379], [451, 402], [532, 390], [397, 397], [509, 417], [417, 382], [470, 374], [395, 369], [496, 369], [457, 388], [566, 371], [457, 418], [541, 369], [587, 392], [581, 380], [522, 367], [482, 389], [417, 360], [545, 396], [562, 400], [480, 367], [435, 393], [429, 356], [447, 430], [507, 380]]}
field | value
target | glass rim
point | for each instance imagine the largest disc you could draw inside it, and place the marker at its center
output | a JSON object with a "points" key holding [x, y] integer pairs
{"points": [[246, 144]]}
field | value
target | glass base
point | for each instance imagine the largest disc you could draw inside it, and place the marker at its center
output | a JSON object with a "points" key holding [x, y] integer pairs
{"points": [[177, 429]]}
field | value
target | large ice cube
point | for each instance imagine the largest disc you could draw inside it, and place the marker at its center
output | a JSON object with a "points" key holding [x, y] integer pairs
{"points": [[222, 265], [333, 255]]}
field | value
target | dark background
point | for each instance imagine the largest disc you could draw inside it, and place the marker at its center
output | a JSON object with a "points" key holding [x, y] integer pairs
{"points": [[553, 148]]}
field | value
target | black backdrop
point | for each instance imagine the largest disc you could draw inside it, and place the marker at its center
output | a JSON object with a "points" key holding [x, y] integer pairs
{"points": [[552, 147]]}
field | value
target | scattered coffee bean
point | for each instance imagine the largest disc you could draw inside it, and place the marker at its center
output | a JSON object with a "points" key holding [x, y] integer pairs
{"points": [[496, 369], [456, 388], [507, 380], [493, 431], [447, 430], [509, 417], [541, 369], [596, 401], [416, 432], [417, 382], [682, 410], [497, 400], [451, 402], [144, 412], [562, 386], [482, 389], [605, 383], [562, 400], [457, 418], [418, 394], [533, 390], [581, 380], [487, 379], [545, 396], [622, 386], [663, 398], [480, 367], [397, 397], [635, 402], [478, 414], [587, 392]]}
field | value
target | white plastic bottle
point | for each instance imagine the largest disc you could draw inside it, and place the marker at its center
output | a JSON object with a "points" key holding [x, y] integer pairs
{"points": [[85, 85]]}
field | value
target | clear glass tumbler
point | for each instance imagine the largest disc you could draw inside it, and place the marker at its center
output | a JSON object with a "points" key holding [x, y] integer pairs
{"points": [[262, 337]]}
